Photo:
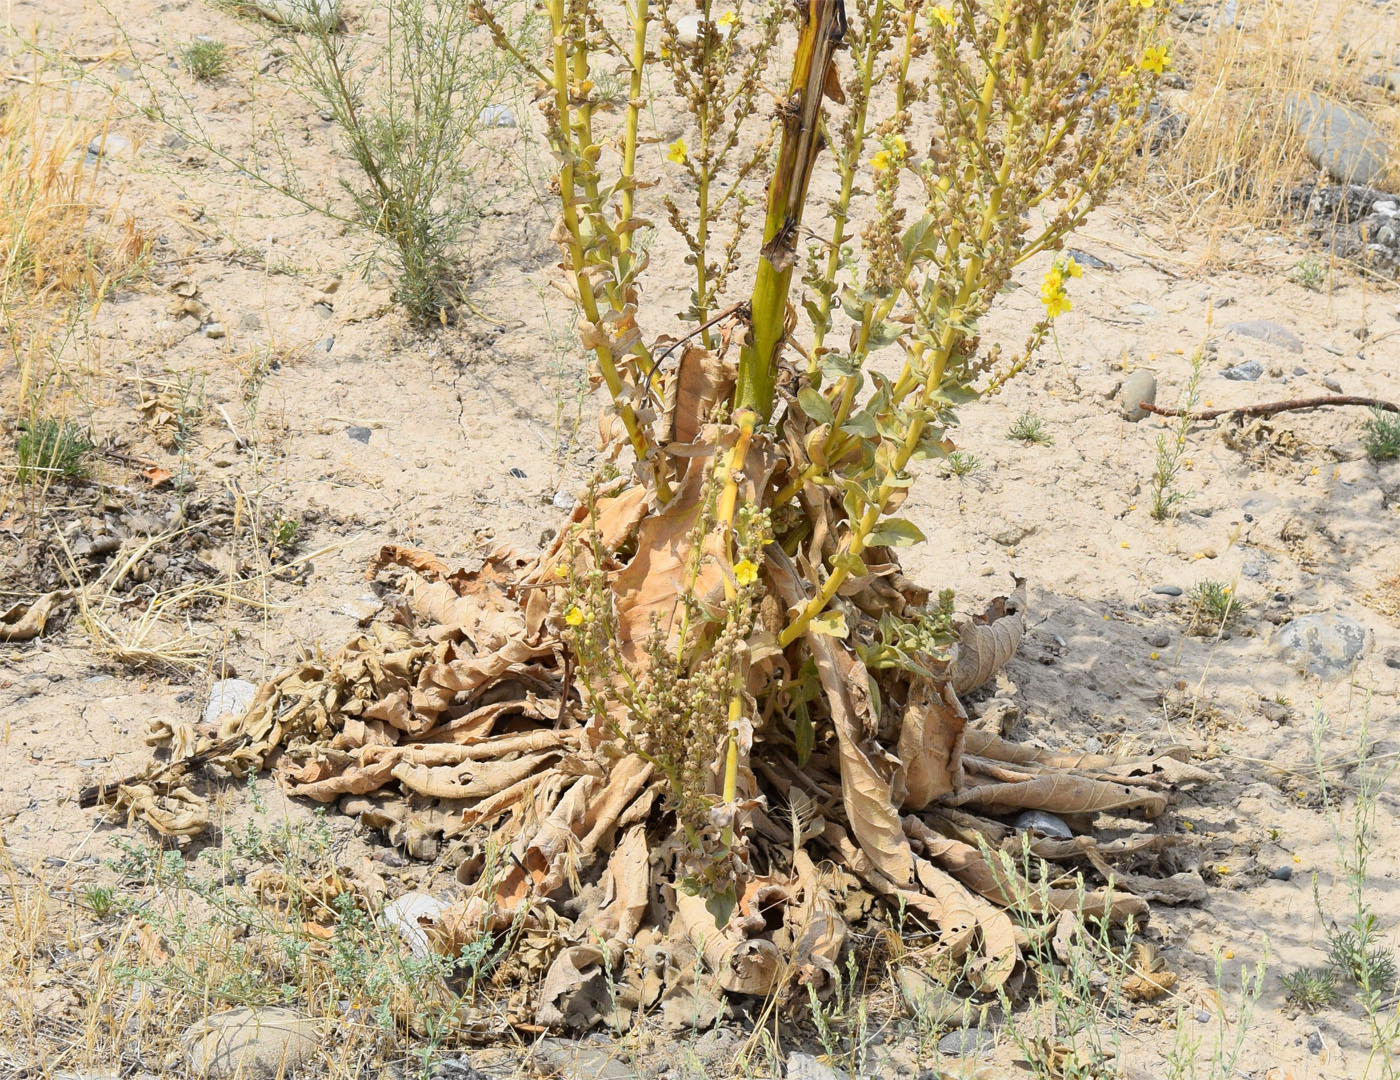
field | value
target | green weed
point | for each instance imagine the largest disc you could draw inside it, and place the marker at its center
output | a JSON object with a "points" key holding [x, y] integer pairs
{"points": [[49, 449], [1380, 434], [1030, 429], [205, 60]]}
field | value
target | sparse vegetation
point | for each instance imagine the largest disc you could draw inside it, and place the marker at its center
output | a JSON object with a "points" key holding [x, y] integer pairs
{"points": [[1311, 988], [1171, 449], [1309, 273], [49, 449], [960, 463], [205, 59], [1380, 434], [1031, 430], [1214, 606]]}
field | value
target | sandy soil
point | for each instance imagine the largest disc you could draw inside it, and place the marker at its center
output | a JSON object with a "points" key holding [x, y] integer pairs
{"points": [[473, 429]]}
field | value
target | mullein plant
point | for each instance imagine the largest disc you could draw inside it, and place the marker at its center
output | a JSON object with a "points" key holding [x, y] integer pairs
{"points": [[730, 607]]}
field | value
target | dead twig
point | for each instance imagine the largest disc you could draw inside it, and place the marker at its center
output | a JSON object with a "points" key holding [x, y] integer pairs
{"points": [[1268, 408], [90, 796]]}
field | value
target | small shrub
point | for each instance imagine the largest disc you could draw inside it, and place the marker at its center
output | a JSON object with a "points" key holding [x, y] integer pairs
{"points": [[1381, 435], [1171, 446], [1311, 988], [1030, 429], [285, 533], [205, 59], [51, 449], [1309, 273], [1355, 951], [1213, 605], [101, 899], [960, 463]]}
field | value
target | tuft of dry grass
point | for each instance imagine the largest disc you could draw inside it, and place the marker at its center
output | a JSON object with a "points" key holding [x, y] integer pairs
{"points": [[1231, 169]]}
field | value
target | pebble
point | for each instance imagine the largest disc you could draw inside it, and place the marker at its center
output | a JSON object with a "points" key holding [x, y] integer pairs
{"points": [[214, 330], [1387, 80], [1338, 139], [229, 697], [250, 1043], [1159, 639], [967, 1042], [407, 915], [251, 321], [327, 344], [1043, 822], [1325, 644], [1314, 1043], [807, 1067], [517, 472], [1202, 1016], [1249, 371], [1167, 590], [1332, 384], [1271, 333], [1138, 387], [1281, 873], [497, 116], [112, 144], [562, 500], [1092, 262], [1137, 307], [359, 434]]}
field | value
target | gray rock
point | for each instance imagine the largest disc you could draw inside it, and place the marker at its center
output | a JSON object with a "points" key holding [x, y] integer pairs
{"points": [[229, 696], [1159, 639], [1271, 333], [250, 1044], [1044, 823], [1249, 371], [1167, 590], [1338, 139], [497, 116], [326, 344], [214, 330], [1314, 1042], [1281, 873], [806, 1067], [562, 500], [1386, 80], [1332, 384], [251, 321], [967, 1042], [359, 434], [1137, 307], [1091, 262], [1138, 387], [109, 145], [1325, 644]]}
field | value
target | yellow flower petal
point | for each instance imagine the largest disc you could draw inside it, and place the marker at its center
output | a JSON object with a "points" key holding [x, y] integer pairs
{"points": [[677, 152], [745, 572], [574, 617]]}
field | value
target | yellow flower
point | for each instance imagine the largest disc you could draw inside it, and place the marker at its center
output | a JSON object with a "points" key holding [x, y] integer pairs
{"points": [[677, 152], [895, 151], [1053, 294], [728, 19], [1155, 59], [1073, 268], [574, 617], [881, 161], [942, 15], [1154, 657], [745, 572], [665, 53], [561, 570], [1144, 4]]}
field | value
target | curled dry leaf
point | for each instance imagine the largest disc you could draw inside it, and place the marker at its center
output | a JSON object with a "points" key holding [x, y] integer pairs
{"points": [[1151, 977], [24, 621]]}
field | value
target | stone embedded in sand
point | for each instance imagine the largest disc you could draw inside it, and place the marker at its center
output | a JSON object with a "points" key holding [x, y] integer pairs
{"points": [[250, 1043], [806, 1067], [228, 697], [1338, 139], [1271, 333], [109, 144], [407, 915], [1138, 387], [1249, 371], [1325, 644]]}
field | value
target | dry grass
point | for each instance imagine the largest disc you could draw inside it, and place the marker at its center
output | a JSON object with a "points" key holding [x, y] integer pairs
{"points": [[61, 253], [1230, 171]]}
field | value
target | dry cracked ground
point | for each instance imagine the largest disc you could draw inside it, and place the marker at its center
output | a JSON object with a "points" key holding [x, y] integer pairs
{"points": [[264, 415]]}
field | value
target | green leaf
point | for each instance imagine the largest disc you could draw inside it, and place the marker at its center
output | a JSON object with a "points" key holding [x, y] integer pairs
{"points": [[805, 734], [830, 624], [852, 563], [815, 405], [895, 532], [882, 334]]}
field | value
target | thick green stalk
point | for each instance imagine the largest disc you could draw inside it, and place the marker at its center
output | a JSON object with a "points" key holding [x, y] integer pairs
{"points": [[787, 195]]}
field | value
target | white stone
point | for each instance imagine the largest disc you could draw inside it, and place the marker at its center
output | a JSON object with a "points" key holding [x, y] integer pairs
{"points": [[228, 696]]}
